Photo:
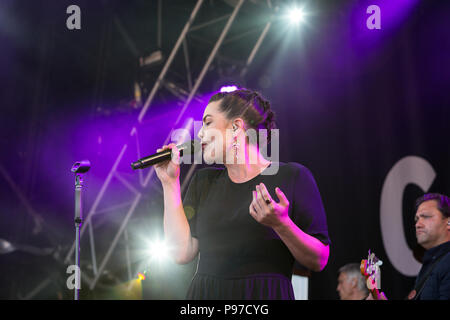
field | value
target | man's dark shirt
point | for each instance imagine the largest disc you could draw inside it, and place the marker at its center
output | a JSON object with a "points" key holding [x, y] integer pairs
{"points": [[437, 286]]}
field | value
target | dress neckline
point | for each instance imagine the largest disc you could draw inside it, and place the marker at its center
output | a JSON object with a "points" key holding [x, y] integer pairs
{"points": [[248, 181]]}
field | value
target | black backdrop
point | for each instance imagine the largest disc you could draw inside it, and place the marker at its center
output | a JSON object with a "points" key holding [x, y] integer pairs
{"points": [[350, 104]]}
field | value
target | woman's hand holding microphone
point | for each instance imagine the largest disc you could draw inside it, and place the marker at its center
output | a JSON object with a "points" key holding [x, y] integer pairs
{"points": [[168, 171]]}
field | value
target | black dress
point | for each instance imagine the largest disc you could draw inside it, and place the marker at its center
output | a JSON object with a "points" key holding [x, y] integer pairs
{"points": [[239, 257]]}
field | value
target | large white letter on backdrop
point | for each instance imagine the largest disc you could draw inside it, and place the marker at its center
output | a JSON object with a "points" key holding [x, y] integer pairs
{"points": [[411, 169]]}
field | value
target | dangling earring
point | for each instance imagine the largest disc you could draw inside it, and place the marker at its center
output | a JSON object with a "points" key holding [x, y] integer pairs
{"points": [[235, 143]]}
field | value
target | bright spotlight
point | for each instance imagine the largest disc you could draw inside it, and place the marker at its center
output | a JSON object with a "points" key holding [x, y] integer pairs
{"points": [[159, 250], [296, 15], [228, 88]]}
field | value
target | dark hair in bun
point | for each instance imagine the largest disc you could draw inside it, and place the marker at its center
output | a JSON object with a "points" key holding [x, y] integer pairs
{"points": [[248, 105]]}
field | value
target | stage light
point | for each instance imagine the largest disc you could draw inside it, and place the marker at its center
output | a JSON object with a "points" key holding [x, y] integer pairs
{"points": [[141, 276], [6, 247], [229, 80], [296, 15], [154, 59], [228, 88], [158, 250]]}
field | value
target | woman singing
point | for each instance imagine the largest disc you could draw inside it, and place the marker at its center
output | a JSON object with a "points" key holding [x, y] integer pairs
{"points": [[247, 226]]}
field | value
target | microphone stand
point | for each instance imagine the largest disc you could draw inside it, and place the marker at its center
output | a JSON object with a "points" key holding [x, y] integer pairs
{"points": [[79, 168]]}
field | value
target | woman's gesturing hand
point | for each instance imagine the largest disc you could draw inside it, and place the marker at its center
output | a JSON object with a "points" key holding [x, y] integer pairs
{"points": [[265, 210], [169, 171]]}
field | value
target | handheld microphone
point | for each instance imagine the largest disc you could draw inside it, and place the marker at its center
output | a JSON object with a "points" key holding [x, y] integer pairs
{"points": [[189, 147]]}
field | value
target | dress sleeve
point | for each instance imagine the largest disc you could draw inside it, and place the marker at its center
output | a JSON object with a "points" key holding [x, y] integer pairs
{"points": [[308, 211], [190, 204]]}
